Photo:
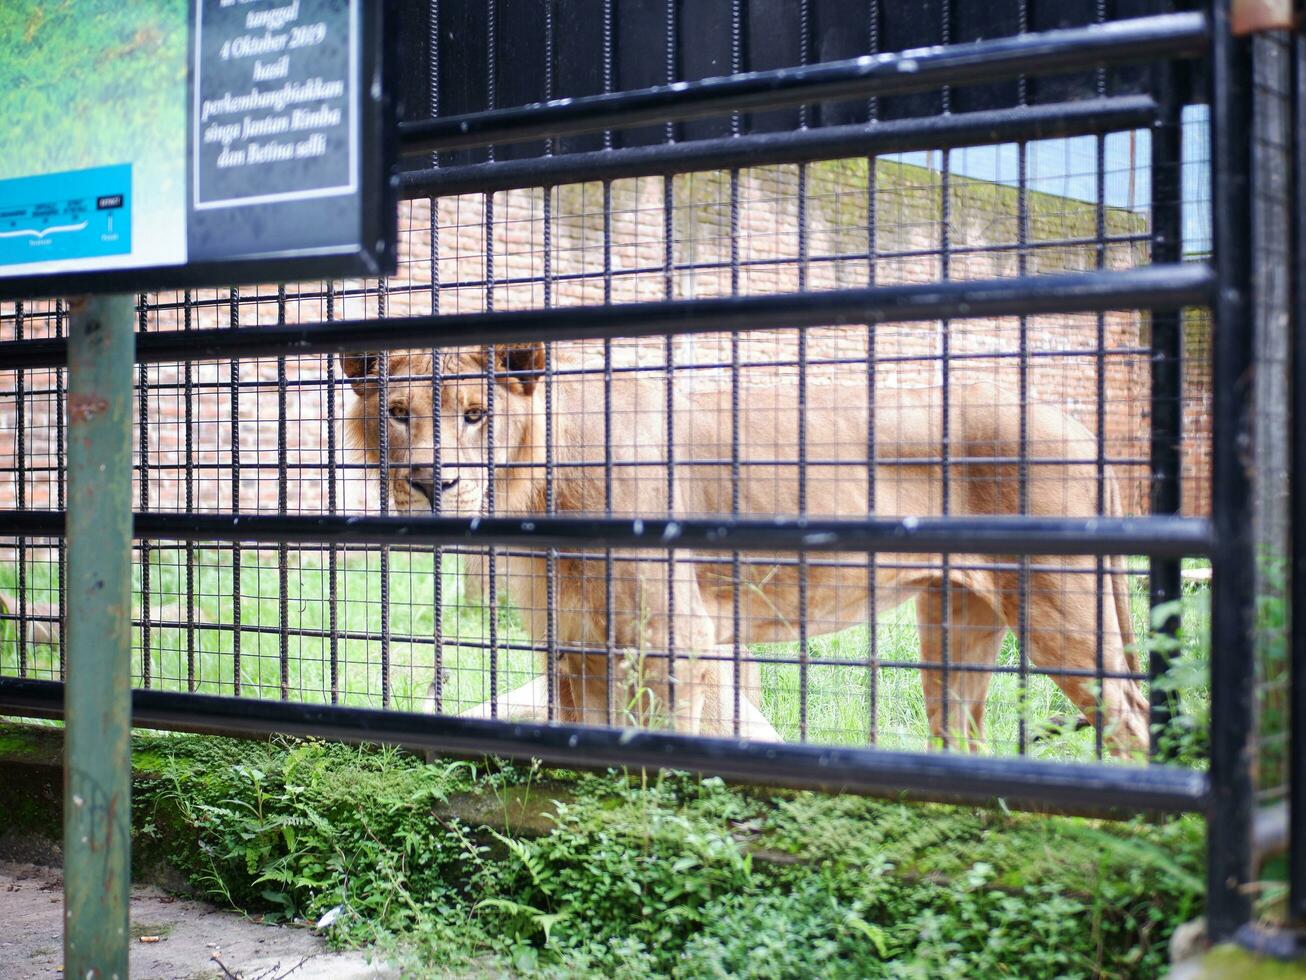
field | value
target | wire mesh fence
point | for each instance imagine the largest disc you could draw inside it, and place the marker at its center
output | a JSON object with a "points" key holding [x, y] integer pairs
{"points": [[947, 411], [1042, 415]]}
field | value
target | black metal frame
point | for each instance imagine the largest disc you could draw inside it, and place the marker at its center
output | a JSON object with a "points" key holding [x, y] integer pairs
{"points": [[1164, 288], [1159, 287], [1029, 784], [1297, 699], [1166, 537], [1229, 865], [871, 76]]}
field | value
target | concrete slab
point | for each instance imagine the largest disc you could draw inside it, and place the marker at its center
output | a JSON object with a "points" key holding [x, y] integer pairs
{"points": [[172, 938]]}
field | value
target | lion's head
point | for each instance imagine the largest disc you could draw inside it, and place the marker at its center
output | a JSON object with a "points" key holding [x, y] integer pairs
{"points": [[467, 421]]}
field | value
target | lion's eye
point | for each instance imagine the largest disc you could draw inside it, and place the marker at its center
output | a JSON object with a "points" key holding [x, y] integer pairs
{"points": [[473, 416], [399, 413]]}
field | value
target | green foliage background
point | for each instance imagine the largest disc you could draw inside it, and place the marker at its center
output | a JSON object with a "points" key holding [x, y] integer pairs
{"points": [[93, 84], [635, 875]]}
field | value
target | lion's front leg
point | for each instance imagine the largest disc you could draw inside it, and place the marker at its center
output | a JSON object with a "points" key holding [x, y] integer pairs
{"points": [[671, 672], [718, 694]]}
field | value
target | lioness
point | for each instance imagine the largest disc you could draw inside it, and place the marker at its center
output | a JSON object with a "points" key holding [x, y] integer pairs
{"points": [[615, 633]]}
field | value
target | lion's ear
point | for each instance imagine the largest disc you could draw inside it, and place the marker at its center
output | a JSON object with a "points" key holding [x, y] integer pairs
{"points": [[361, 370], [520, 364]]}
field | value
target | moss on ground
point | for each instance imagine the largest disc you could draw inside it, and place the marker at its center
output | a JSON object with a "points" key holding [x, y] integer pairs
{"points": [[1232, 961]]}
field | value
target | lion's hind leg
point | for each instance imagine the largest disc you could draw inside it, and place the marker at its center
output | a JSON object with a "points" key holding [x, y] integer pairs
{"points": [[1070, 627]]}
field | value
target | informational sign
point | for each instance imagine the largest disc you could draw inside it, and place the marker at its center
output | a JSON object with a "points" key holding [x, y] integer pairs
{"points": [[157, 143]]}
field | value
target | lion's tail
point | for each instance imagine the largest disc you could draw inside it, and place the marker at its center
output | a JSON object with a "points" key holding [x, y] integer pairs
{"points": [[1120, 584]]}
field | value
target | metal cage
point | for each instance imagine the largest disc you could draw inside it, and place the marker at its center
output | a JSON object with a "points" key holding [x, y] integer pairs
{"points": [[722, 331]]}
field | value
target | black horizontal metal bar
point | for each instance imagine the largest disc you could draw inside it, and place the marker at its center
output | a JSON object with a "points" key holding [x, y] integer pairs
{"points": [[394, 289], [698, 364], [1173, 537], [1018, 783], [1087, 118], [1151, 287], [1048, 52]]}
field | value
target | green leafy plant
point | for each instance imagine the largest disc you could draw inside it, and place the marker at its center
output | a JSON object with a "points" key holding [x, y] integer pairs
{"points": [[659, 874]]}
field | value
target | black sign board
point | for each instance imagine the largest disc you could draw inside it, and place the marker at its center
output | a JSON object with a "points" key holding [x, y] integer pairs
{"points": [[195, 142]]}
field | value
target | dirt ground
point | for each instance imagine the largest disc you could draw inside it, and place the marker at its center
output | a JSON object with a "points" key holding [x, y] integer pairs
{"points": [[171, 938]]}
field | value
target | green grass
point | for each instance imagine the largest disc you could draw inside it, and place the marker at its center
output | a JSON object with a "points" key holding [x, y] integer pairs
{"points": [[837, 695], [358, 588]]}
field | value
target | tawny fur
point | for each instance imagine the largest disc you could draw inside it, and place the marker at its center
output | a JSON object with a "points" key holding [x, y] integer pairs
{"points": [[689, 608]]}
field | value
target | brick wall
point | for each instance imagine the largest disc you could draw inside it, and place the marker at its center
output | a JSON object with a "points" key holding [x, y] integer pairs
{"points": [[1067, 366]]}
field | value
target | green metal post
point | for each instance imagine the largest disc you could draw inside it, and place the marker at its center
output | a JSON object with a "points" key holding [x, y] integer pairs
{"points": [[97, 698]]}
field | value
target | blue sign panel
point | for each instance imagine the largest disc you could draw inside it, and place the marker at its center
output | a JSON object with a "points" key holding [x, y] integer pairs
{"points": [[78, 215]]}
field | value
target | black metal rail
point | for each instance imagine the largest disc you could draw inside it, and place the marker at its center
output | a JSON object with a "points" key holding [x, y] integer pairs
{"points": [[1152, 287], [1165, 463], [1162, 536], [1297, 678], [1233, 572], [1061, 119], [871, 76], [1226, 795], [1015, 782]]}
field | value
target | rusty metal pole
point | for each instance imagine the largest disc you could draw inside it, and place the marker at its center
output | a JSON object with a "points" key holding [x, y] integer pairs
{"points": [[97, 705]]}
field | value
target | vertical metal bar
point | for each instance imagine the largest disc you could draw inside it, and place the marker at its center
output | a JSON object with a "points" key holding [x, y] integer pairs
{"points": [[97, 699], [945, 351], [143, 428], [1099, 565], [333, 560], [383, 411], [669, 289], [736, 611], [1229, 834], [491, 96], [437, 481], [1022, 580], [233, 389], [550, 500], [20, 451], [61, 486], [872, 254], [1297, 679], [610, 626], [1022, 268], [608, 586], [437, 467], [188, 475], [283, 494], [610, 641], [804, 646], [492, 597], [1165, 462], [1099, 435]]}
